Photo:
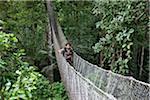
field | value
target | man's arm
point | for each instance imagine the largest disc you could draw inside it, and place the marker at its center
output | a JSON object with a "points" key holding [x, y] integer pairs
{"points": [[61, 50]]}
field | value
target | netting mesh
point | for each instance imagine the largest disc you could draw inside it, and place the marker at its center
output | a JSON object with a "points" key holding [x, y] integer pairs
{"points": [[121, 87], [89, 82], [78, 87]]}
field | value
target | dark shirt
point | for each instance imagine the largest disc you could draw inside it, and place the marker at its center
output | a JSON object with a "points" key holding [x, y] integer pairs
{"points": [[68, 54]]}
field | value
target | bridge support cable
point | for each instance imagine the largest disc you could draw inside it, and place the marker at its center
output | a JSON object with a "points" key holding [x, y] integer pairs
{"points": [[90, 82], [78, 87]]}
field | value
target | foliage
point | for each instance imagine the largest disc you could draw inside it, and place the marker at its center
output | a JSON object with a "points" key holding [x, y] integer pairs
{"points": [[26, 85], [120, 33], [19, 80], [122, 43], [28, 20], [32, 85], [7, 58], [77, 22], [58, 91], [122, 24]]}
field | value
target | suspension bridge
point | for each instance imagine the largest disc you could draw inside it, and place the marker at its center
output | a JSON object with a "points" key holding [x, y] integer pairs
{"points": [[86, 81]]}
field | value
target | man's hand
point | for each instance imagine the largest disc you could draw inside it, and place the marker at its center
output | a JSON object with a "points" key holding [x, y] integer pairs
{"points": [[60, 50]]}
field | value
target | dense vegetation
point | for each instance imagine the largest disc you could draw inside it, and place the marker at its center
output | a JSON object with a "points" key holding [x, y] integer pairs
{"points": [[78, 24], [19, 80], [23, 44], [124, 36], [116, 30], [111, 34], [28, 20]]}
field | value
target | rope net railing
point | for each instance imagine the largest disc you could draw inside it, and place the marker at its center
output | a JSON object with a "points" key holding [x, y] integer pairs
{"points": [[89, 82], [121, 87], [78, 87]]}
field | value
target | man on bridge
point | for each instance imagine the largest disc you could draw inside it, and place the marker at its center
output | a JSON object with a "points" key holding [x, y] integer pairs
{"points": [[67, 52]]}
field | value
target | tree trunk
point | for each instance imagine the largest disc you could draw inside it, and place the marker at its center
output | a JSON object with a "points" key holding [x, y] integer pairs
{"points": [[1, 95], [141, 62], [113, 58], [101, 59]]}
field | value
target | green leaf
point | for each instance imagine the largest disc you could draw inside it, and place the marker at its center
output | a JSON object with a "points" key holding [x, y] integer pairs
{"points": [[14, 39], [129, 45], [131, 31], [98, 24], [18, 72]]}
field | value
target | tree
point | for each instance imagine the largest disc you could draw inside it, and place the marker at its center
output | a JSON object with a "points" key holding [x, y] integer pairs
{"points": [[78, 24], [18, 79], [28, 20], [123, 41]]}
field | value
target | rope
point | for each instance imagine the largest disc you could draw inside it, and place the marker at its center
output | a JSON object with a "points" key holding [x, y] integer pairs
{"points": [[90, 82], [78, 87], [121, 87]]}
